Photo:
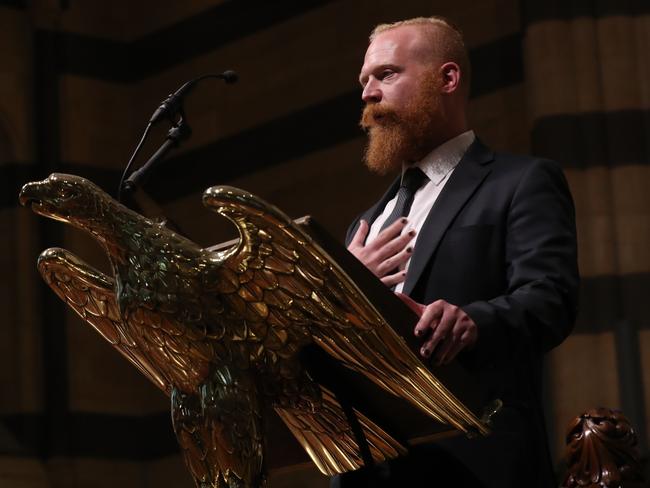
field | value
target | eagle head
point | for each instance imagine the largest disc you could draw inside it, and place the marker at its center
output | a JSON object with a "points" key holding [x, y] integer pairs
{"points": [[67, 198]]}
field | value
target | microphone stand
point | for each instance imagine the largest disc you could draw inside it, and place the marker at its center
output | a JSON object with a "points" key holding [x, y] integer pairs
{"points": [[179, 131]]}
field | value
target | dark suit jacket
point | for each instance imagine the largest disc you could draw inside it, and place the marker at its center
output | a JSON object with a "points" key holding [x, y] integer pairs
{"points": [[500, 242]]}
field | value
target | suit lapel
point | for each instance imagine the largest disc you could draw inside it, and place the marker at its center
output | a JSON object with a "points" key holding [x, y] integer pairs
{"points": [[463, 182]]}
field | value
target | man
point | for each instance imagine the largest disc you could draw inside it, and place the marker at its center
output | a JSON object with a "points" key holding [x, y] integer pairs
{"points": [[482, 246]]}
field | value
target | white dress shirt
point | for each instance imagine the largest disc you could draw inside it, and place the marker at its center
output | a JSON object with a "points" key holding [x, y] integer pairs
{"points": [[438, 165]]}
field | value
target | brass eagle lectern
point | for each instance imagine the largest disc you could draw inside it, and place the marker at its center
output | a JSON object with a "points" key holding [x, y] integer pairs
{"points": [[223, 333]]}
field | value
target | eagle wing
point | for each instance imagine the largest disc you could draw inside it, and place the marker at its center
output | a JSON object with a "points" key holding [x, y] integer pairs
{"points": [[300, 287], [90, 293], [325, 433]]}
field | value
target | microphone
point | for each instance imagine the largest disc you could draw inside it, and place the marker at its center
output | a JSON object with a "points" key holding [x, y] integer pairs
{"points": [[229, 76], [180, 130], [173, 102]]}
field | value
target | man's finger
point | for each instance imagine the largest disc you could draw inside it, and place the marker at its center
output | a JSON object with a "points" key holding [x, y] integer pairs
{"points": [[461, 344], [446, 346], [360, 236], [440, 333], [395, 261], [391, 231], [429, 320], [391, 280], [395, 246]]}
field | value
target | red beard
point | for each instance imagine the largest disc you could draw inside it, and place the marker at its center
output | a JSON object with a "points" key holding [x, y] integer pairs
{"points": [[406, 135]]}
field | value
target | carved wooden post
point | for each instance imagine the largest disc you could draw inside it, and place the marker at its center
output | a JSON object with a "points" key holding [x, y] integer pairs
{"points": [[601, 452]]}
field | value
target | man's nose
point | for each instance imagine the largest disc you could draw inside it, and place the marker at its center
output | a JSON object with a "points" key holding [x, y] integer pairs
{"points": [[371, 92]]}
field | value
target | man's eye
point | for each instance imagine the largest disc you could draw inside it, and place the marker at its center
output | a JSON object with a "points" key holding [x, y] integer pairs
{"points": [[387, 74]]}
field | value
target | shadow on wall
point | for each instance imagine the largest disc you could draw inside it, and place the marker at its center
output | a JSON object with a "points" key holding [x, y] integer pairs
{"points": [[7, 157], [6, 147]]}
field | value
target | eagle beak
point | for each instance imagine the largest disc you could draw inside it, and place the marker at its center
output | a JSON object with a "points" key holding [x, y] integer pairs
{"points": [[30, 192]]}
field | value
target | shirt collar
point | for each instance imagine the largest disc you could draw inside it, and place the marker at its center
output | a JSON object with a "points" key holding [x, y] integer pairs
{"points": [[444, 158]]}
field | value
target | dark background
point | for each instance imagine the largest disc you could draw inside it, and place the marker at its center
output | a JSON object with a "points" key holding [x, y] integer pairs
{"points": [[78, 80]]}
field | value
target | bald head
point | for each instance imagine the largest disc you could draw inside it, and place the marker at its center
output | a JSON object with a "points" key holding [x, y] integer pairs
{"points": [[440, 42]]}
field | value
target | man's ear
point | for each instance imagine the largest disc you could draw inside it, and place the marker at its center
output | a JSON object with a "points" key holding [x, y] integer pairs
{"points": [[450, 75]]}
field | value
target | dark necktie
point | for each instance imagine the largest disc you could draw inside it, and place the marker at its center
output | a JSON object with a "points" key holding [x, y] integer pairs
{"points": [[411, 181]]}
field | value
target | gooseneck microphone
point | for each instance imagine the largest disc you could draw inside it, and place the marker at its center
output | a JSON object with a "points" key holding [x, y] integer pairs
{"points": [[170, 108]]}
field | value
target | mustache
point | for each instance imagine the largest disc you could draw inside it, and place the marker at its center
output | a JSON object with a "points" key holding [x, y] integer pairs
{"points": [[376, 115]]}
